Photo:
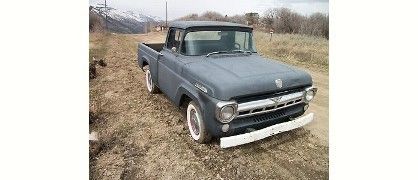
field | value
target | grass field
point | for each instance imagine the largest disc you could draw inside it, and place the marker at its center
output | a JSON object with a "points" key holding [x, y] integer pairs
{"points": [[98, 45], [300, 50]]}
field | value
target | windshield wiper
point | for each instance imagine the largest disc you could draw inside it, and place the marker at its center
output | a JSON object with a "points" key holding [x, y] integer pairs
{"points": [[233, 51], [216, 52], [241, 51]]}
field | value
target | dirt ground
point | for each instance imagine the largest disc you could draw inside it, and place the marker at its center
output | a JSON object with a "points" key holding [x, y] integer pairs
{"points": [[144, 136]]}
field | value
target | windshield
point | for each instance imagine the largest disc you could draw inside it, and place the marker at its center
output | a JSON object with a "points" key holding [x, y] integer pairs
{"points": [[204, 42]]}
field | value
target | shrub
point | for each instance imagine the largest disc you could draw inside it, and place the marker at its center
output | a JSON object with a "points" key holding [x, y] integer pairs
{"points": [[281, 20]]}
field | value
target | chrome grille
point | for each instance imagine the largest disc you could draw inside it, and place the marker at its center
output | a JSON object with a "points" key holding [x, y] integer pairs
{"points": [[269, 104], [266, 117]]}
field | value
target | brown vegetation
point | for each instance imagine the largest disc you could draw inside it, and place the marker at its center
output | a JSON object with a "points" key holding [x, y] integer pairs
{"points": [[96, 23], [280, 20], [284, 20], [98, 47], [296, 49]]}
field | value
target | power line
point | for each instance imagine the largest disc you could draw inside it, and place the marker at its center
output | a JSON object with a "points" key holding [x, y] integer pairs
{"points": [[106, 10]]}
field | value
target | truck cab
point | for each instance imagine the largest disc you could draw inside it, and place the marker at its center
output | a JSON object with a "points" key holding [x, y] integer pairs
{"points": [[228, 90]]}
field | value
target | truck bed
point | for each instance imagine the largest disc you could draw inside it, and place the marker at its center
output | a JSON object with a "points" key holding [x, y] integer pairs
{"points": [[148, 54], [156, 46]]}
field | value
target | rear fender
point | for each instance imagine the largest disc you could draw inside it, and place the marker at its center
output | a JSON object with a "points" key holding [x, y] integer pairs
{"points": [[144, 61], [153, 66]]}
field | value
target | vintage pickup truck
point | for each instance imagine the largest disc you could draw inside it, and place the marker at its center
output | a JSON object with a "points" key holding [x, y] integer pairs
{"points": [[227, 89]]}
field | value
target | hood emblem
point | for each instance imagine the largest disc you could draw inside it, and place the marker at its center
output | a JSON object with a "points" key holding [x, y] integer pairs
{"points": [[279, 83], [276, 99]]}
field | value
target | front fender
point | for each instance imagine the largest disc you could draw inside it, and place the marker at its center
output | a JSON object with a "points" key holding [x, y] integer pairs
{"points": [[206, 103], [190, 91]]}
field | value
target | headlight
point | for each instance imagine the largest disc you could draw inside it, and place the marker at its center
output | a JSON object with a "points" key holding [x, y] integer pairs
{"points": [[226, 111], [310, 93]]}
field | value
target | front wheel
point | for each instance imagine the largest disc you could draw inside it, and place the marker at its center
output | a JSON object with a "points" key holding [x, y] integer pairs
{"points": [[195, 123], [151, 87]]}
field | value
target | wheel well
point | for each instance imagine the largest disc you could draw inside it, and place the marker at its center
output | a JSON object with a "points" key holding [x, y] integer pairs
{"points": [[184, 101], [144, 63]]}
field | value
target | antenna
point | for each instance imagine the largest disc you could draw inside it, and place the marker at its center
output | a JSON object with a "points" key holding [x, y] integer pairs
{"points": [[166, 26]]}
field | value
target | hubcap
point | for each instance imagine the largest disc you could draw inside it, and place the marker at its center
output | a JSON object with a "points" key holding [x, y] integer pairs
{"points": [[194, 122]]}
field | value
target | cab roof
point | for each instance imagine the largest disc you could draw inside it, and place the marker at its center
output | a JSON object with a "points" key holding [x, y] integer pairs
{"points": [[192, 24]]}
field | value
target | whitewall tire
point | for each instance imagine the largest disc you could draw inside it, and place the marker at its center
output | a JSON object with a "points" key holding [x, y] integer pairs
{"points": [[195, 123], [151, 87]]}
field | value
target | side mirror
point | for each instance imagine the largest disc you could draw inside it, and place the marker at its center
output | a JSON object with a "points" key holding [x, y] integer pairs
{"points": [[174, 49]]}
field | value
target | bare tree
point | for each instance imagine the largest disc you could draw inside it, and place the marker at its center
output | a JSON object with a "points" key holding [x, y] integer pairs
{"points": [[252, 18], [268, 19], [286, 21], [316, 25], [281, 20], [190, 17], [240, 19], [212, 16]]}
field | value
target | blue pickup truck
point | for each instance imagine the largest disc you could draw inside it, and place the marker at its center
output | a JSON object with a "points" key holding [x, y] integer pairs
{"points": [[212, 70]]}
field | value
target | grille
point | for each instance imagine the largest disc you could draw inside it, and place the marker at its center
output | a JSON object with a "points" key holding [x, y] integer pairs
{"points": [[266, 117], [269, 116], [268, 105], [255, 97]]}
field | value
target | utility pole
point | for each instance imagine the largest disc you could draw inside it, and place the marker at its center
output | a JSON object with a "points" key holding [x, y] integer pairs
{"points": [[106, 14], [166, 25], [146, 26], [105, 9]]}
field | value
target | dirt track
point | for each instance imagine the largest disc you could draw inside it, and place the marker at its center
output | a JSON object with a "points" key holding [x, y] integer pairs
{"points": [[145, 137]]}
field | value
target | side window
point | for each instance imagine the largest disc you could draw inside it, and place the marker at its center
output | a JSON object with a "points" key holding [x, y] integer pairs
{"points": [[241, 39], [171, 38], [174, 39]]}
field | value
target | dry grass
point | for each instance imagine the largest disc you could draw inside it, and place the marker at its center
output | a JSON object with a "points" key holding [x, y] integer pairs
{"points": [[98, 45], [300, 50]]}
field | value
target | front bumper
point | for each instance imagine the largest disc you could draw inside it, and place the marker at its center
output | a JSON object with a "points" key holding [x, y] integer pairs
{"points": [[266, 132]]}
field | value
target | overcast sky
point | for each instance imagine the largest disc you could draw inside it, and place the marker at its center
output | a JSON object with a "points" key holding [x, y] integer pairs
{"points": [[178, 8]]}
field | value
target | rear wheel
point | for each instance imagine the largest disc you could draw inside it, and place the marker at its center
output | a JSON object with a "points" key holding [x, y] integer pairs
{"points": [[195, 123], [151, 87]]}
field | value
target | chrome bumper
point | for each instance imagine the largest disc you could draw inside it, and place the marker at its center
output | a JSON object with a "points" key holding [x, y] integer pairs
{"points": [[266, 132]]}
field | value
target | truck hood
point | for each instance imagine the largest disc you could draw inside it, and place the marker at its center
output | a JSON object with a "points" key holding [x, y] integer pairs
{"points": [[226, 77]]}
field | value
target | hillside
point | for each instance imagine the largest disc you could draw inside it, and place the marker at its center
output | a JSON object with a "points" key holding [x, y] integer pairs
{"points": [[126, 22]]}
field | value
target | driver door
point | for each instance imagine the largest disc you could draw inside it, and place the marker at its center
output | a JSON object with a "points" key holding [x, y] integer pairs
{"points": [[169, 64]]}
